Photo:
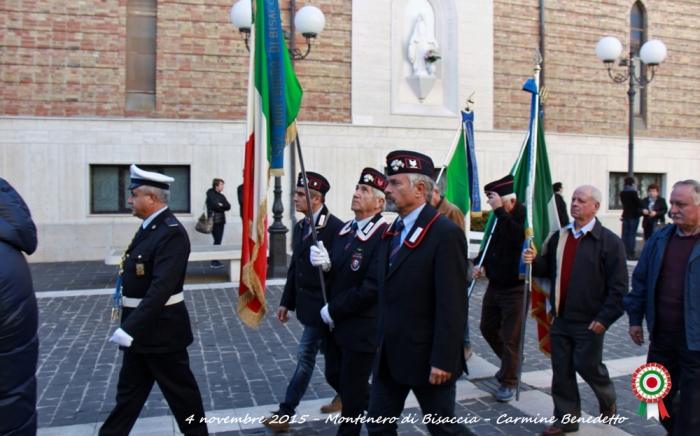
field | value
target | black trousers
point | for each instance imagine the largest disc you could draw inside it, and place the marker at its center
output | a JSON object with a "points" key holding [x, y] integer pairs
{"points": [[388, 398], [501, 322], [348, 373], [670, 349], [217, 231], [176, 381], [575, 349]]}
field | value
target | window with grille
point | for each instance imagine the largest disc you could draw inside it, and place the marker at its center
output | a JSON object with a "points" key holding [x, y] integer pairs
{"points": [[109, 187], [642, 180]]}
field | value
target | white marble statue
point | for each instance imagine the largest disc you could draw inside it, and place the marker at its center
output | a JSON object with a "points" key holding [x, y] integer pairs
{"points": [[420, 43]]}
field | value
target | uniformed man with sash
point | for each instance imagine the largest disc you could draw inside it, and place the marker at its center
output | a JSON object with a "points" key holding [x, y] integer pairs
{"points": [[155, 326]]}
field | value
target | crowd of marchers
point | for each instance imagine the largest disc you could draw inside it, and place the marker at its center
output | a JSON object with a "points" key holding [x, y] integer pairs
{"points": [[387, 302]]}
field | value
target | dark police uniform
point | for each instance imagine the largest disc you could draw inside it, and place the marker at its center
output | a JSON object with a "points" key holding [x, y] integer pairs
{"points": [[352, 305], [154, 271], [422, 315]]}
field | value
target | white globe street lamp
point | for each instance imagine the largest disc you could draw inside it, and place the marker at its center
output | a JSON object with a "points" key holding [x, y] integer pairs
{"points": [[651, 55]]}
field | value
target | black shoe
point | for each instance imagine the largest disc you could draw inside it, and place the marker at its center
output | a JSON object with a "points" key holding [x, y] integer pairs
{"points": [[216, 264]]}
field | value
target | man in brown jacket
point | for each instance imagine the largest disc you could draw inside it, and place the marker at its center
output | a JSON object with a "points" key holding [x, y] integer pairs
{"points": [[439, 202]]}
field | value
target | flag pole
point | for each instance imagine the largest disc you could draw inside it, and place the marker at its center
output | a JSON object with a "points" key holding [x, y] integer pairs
{"points": [[449, 153], [528, 283], [314, 235], [483, 254], [529, 193], [468, 109]]}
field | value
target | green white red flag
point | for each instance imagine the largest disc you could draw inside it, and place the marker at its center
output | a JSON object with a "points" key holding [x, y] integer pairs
{"points": [[274, 98]]}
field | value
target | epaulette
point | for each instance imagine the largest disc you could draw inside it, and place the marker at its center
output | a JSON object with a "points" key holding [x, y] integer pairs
{"points": [[170, 223]]}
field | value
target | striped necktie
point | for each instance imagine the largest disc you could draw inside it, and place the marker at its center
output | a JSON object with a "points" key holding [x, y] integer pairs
{"points": [[396, 240]]}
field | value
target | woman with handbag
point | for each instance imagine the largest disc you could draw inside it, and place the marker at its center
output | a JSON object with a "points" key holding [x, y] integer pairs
{"points": [[654, 210], [217, 205]]}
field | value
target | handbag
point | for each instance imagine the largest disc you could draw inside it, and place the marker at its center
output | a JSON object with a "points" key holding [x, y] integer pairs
{"points": [[204, 224]]}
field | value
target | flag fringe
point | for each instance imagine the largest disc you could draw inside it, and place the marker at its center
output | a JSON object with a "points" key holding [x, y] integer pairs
{"points": [[277, 172], [251, 279], [477, 214], [291, 133]]}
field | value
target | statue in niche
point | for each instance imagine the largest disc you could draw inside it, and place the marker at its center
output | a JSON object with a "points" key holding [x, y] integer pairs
{"points": [[420, 44]]}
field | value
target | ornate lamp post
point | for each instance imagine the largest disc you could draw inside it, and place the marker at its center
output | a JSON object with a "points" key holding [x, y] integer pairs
{"points": [[310, 22], [652, 54]]}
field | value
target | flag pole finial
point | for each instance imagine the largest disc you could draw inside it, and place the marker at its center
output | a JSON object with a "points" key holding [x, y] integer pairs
{"points": [[537, 58], [470, 103]]}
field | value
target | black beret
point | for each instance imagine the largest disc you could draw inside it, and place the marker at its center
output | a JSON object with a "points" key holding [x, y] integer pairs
{"points": [[501, 187], [373, 178], [316, 182], [402, 161]]}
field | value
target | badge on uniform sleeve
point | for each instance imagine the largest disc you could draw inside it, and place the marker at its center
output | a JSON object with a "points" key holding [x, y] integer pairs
{"points": [[140, 269], [356, 260]]}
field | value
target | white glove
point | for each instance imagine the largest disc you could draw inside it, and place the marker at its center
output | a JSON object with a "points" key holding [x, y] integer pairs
{"points": [[122, 338], [319, 256], [327, 316]]}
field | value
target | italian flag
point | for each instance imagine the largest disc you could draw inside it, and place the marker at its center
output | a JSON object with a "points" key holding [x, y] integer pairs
{"points": [[533, 183], [462, 175], [274, 98]]}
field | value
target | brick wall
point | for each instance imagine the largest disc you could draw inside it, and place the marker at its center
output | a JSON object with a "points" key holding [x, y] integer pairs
{"points": [[582, 98], [68, 59]]}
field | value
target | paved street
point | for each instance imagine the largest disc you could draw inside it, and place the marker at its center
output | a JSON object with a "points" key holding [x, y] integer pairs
{"points": [[244, 371]]}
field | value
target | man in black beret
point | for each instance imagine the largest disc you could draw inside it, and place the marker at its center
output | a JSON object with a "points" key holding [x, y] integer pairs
{"points": [[502, 308], [302, 292], [422, 276], [352, 297]]}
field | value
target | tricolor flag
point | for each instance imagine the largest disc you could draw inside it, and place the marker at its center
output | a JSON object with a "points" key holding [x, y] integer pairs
{"points": [[463, 175], [533, 183], [274, 97]]}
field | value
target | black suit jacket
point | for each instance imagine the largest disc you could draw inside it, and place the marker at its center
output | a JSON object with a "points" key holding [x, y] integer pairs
{"points": [[660, 207], [352, 293], [562, 211], [302, 292], [422, 301], [163, 248]]}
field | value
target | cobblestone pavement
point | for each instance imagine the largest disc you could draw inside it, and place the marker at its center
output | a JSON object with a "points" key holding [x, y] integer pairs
{"points": [[238, 367]]}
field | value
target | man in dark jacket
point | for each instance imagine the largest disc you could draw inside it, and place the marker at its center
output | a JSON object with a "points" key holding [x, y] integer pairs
{"points": [[665, 291], [217, 206], [302, 291], [155, 325], [561, 204], [586, 265], [631, 212], [352, 298], [19, 343], [422, 275], [502, 308]]}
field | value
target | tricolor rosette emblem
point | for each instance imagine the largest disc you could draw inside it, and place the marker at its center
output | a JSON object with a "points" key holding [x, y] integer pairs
{"points": [[651, 383]]}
